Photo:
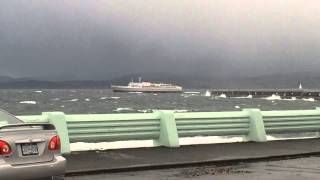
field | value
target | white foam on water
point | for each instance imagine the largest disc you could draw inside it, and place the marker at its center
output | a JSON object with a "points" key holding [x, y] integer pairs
{"points": [[103, 98], [115, 97], [62, 106], [123, 109], [309, 99], [191, 92], [272, 138], [87, 99], [28, 102], [276, 97], [246, 97], [223, 96], [237, 107], [209, 140], [145, 110], [185, 95], [180, 110], [38, 91], [273, 97], [73, 100], [155, 94], [81, 146], [208, 93], [291, 99], [135, 92]]}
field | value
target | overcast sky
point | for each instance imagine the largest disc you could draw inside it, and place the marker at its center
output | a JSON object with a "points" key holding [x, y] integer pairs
{"points": [[101, 39]]}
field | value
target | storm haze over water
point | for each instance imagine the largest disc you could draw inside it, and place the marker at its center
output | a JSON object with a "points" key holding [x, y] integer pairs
{"points": [[103, 39]]}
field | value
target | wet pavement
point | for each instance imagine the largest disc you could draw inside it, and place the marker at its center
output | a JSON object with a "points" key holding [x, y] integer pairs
{"points": [[307, 168], [162, 157]]}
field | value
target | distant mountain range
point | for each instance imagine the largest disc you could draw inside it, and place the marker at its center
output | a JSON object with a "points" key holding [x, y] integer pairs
{"points": [[308, 79]]}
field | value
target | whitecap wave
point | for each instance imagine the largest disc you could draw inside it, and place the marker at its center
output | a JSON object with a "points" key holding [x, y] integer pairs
{"points": [[28, 102], [123, 109], [273, 97], [145, 110], [223, 96], [82, 146], [187, 95], [87, 99], [180, 110], [73, 100], [210, 140], [272, 138], [191, 92], [38, 91], [208, 93], [309, 99], [291, 99], [246, 97], [115, 97]]}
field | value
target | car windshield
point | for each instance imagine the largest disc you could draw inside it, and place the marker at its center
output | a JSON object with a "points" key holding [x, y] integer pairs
{"points": [[7, 118]]}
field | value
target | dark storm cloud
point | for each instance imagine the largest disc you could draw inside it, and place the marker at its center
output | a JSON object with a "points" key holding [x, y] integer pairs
{"points": [[104, 39]]}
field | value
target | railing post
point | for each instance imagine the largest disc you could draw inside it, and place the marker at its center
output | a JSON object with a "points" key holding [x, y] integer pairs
{"points": [[257, 130], [318, 133], [168, 129], [58, 119]]}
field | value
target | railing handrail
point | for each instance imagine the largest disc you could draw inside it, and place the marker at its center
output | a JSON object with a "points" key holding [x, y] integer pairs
{"points": [[165, 127]]}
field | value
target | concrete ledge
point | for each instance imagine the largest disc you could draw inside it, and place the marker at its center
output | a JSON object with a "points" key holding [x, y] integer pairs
{"points": [[161, 157]]}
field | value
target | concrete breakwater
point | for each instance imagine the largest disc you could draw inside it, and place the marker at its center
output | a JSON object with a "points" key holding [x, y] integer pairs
{"points": [[283, 93]]}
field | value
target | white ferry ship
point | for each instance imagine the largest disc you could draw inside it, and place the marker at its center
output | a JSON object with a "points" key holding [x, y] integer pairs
{"points": [[146, 87]]}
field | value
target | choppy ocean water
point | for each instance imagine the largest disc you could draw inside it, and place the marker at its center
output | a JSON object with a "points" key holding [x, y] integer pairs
{"points": [[82, 101], [71, 101]]}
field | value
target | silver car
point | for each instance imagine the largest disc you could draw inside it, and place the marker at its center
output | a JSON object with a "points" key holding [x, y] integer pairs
{"points": [[29, 151]]}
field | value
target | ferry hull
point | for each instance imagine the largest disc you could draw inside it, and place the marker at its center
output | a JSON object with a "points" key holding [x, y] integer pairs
{"points": [[145, 89]]}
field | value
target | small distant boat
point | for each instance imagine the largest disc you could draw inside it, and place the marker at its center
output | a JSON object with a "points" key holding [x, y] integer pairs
{"points": [[146, 87]]}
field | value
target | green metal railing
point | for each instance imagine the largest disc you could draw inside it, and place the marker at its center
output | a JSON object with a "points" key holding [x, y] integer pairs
{"points": [[165, 127]]}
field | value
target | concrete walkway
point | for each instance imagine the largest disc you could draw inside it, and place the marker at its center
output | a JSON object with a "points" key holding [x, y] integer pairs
{"points": [[160, 157]]}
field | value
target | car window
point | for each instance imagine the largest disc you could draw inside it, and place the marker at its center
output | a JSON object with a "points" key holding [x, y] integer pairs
{"points": [[7, 118]]}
